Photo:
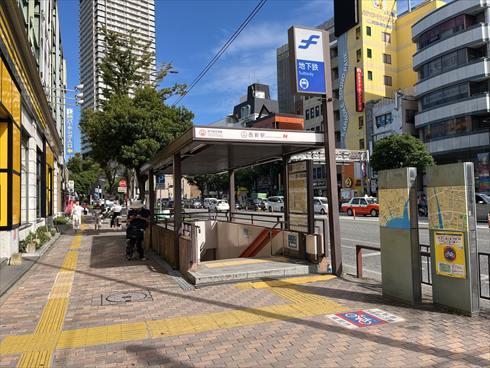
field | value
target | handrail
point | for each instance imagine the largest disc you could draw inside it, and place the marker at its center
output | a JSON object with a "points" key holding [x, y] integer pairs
{"points": [[359, 248]]}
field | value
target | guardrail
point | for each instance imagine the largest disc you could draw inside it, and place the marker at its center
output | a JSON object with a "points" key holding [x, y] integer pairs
{"points": [[485, 254], [427, 280]]}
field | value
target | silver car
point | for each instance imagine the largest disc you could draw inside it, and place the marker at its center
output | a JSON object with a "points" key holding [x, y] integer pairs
{"points": [[482, 206]]}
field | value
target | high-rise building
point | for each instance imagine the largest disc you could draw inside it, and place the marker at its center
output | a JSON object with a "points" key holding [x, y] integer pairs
{"points": [[123, 16], [32, 105], [453, 67]]}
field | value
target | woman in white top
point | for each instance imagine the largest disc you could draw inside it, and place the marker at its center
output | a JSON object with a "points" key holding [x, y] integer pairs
{"points": [[77, 216]]}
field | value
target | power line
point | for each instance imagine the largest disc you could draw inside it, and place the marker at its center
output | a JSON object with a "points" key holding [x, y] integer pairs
{"points": [[223, 49]]}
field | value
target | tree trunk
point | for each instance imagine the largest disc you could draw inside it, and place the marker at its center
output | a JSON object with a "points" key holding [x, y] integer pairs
{"points": [[111, 179], [141, 184]]}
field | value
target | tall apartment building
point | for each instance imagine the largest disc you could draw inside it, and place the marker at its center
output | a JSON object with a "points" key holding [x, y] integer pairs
{"points": [[124, 16], [380, 48], [453, 68], [32, 105]]}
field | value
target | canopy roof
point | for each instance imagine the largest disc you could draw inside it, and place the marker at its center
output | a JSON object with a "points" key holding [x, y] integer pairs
{"points": [[211, 150]]}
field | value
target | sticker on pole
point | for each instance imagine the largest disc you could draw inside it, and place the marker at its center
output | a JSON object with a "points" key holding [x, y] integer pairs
{"points": [[364, 318]]}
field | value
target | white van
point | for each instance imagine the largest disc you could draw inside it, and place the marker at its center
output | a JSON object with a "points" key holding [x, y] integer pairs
{"points": [[275, 204], [320, 205]]}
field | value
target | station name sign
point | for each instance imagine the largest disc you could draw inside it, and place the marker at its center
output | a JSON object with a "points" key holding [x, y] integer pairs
{"points": [[256, 135], [306, 48]]}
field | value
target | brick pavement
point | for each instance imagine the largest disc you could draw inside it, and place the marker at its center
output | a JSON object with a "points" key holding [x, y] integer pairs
{"points": [[271, 325]]}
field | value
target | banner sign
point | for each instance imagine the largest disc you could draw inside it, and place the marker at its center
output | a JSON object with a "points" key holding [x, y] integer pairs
{"points": [[306, 49], [450, 255], [69, 131], [359, 90], [253, 135]]}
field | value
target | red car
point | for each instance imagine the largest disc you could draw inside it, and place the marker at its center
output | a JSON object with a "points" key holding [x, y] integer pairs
{"points": [[361, 206]]}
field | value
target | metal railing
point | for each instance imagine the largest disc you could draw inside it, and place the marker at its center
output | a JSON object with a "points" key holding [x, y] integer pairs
{"points": [[426, 278], [487, 294]]}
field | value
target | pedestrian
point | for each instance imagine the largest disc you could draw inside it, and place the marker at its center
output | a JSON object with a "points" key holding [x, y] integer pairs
{"points": [[138, 219], [77, 215], [116, 212]]}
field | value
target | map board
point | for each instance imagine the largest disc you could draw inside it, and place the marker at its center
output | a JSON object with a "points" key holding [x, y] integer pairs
{"points": [[447, 208], [298, 203], [394, 208]]}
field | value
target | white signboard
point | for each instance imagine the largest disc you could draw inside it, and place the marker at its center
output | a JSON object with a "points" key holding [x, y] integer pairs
{"points": [[341, 155], [71, 185], [69, 131], [309, 63], [254, 135]]}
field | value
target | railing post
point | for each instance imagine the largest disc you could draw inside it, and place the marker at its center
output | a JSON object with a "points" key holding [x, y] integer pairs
{"points": [[358, 261]]}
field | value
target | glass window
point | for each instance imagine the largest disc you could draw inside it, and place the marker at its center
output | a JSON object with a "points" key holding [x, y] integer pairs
{"points": [[312, 112], [362, 202], [334, 52], [317, 110], [388, 80], [335, 73], [387, 58], [386, 37], [368, 31], [355, 201], [445, 95], [361, 144], [358, 33], [443, 30], [39, 188], [361, 122], [358, 55], [369, 53], [370, 75], [23, 177]]}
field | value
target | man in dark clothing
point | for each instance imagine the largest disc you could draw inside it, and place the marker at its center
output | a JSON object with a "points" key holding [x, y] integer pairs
{"points": [[138, 219]]}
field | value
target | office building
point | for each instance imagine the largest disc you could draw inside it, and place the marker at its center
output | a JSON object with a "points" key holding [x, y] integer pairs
{"points": [[452, 88], [136, 17], [32, 104], [369, 61]]}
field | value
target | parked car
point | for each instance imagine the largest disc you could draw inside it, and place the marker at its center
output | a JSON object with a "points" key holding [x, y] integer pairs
{"points": [[320, 205], [196, 203], [219, 205], [361, 206], [208, 201], [482, 206], [275, 204]]}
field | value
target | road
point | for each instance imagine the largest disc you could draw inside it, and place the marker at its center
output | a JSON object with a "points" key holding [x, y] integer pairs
{"points": [[365, 231]]}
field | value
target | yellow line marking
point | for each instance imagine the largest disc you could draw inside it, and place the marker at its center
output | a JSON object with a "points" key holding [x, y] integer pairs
{"points": [[284, 282], [244, 261], [156, 329], [37, 349]]}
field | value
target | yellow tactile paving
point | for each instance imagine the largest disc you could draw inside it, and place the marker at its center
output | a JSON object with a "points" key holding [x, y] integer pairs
{"points": [[284, 282], [39, 347], [236, 262]]}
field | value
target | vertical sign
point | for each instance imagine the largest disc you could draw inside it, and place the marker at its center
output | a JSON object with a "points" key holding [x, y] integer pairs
{"points": [[359, 89], [308, 58], [69, 131]]}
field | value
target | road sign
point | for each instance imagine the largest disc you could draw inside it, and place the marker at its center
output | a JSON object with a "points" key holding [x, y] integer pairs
{"points": [[122, 183], [307, 50], [160, 182], [71, 185]]}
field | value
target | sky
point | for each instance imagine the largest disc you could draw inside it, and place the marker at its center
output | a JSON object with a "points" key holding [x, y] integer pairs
{"points": [[190, 32]]}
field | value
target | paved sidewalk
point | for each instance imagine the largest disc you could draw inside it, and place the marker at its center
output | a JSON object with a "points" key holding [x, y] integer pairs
{"points": [[83, 304]]}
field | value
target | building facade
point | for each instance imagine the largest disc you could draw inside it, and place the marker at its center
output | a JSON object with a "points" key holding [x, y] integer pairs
{"points": [[453, 70], [369, 62], [32, 104], [123, 16]]}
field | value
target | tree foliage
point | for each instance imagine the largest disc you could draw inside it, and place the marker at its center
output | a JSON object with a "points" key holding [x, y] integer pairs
{"points": [[134, 122], [400, 151], [84, 172]]}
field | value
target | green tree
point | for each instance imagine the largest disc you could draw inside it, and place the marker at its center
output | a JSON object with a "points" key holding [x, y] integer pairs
{"points": [[84, 172], [134, 122], [400, 151]]}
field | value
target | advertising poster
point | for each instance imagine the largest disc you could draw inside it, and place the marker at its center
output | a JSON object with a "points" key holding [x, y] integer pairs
{"points": [[450, 254]]}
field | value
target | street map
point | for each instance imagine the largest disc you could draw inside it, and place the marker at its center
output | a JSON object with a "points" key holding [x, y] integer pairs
{"points": [[447, 208], [393, 205]]}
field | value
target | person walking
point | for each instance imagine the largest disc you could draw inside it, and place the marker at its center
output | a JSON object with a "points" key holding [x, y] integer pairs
{"points": [[77, 216], [116, 212]]}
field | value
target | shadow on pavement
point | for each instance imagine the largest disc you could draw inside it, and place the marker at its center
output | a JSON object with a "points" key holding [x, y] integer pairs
{"points": [[447, 354], [150, 356]]}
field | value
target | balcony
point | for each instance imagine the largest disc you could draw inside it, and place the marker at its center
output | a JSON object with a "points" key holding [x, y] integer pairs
{"points": [[475, 70], [463, 142], [475, 35], [473, 104], [443, 13]]}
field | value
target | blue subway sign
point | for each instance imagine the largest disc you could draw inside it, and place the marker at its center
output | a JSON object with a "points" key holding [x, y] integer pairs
{"points": [[309, 63]]}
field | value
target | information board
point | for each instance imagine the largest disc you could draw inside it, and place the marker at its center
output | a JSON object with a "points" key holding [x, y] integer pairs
{"points": [[298, 195], [450, 254]]}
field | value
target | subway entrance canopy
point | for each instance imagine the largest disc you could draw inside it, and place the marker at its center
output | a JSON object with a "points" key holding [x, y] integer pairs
{"points": [[210, 150]]}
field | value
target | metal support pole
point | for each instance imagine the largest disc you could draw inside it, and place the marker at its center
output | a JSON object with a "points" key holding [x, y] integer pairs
{"points": [[151, 189], [285, 186], [177, 206], [331, 171], [231, 189]]}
